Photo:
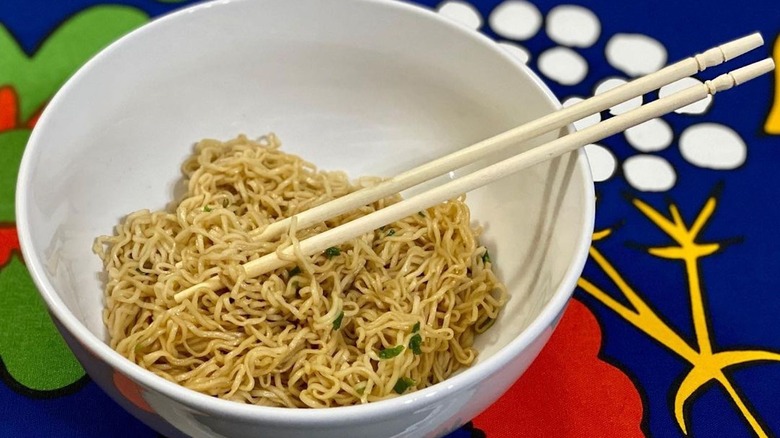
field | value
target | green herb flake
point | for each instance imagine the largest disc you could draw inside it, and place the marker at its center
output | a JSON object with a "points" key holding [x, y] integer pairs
{"points": [[225, 203], [414, 344], [486, 257], [337, 321], [332, 252], [391, 232], [416, 327], [389, 353], [421, 213], [207, 209], [295, 271], [483, 326], [361, 390], [138, 347], [403, 384]]}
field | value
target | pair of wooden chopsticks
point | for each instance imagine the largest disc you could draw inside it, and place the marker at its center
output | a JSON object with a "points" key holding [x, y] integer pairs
{"points": [[515, 136]]}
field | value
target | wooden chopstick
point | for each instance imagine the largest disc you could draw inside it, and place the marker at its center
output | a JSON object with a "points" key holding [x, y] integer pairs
{"points": [[491, 173], [515, 136]]}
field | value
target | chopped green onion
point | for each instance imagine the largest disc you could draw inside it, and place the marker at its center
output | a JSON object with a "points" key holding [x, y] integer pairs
{"points": [[403, 384], [414, 344], [225, 203], [361, 390], [337, 321], [391, 232], [207, 209], [295, 271], [416, 327], [483, 326], [389, 353], [332, 252], [486, 257]]}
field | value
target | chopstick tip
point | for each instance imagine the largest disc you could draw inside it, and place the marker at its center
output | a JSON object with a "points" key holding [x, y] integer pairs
{"points": [[741, 46], [758, 38], [740, 76], [728, 51], [752, 71]]}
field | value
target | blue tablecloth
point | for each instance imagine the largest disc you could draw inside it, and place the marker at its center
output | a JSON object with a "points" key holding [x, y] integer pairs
{"points": [[673, 328]]}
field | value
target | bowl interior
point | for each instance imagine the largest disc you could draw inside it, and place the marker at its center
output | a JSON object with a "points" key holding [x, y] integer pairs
{"points": [[341, 88]]}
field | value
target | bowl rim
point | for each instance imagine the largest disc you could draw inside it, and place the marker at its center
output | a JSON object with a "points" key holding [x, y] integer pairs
{"points": [[548, 317]]}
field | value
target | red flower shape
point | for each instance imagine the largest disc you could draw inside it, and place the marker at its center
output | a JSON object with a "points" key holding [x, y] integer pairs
{"points": [[131, 391], [9, 242], [9, 111], [568, 391]]}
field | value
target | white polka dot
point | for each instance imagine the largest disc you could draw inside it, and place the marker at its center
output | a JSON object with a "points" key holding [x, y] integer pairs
{"points": [[650, 136], [649, 173], [587, 121], [573, 26], [563, 65], [462, 13], [695, 108], [620, 108], [635, 54], [517, 51], [602, 162], [516, 19], [713, 146]]}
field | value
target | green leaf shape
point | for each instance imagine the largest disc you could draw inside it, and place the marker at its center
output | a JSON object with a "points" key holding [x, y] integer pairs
{"points": [[11, 148], [32, 350], [62, 53], [36, 79]]}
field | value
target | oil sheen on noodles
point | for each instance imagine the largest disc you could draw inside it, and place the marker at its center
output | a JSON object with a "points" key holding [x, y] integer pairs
{"points": [[390, 312]]}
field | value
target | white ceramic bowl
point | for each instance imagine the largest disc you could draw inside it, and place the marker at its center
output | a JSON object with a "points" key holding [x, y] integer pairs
{"points": [[371, 87]]}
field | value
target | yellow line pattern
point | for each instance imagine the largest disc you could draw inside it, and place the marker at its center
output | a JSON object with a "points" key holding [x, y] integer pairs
{"points": [[772, 124], [707, 365]]}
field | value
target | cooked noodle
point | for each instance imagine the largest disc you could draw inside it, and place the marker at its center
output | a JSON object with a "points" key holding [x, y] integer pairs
{"points": [[392, 311]]}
